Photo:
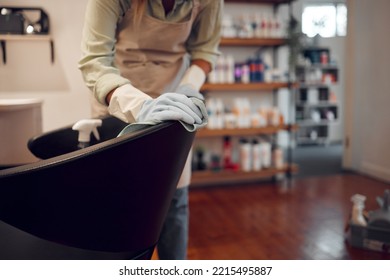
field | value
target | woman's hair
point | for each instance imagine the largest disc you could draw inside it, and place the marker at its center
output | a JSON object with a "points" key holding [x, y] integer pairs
{"points": [[139, 8]]}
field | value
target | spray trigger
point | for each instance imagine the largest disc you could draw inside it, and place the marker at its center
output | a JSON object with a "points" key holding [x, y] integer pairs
{"points": [[85, 127], [96, 133]]}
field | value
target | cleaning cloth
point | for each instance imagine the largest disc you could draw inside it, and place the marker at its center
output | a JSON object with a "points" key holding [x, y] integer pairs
{"points": [[189, 127]]}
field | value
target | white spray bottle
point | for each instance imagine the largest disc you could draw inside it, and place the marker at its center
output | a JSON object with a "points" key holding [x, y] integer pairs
{"points": [[85, 127], [357, 209]]}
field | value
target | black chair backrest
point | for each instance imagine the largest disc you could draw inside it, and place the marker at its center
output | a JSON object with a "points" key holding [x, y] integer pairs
{"points": [[65, 140], [112, 196]]}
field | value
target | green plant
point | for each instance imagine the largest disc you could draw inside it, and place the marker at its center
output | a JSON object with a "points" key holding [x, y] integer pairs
{"points": [[294, 38]]}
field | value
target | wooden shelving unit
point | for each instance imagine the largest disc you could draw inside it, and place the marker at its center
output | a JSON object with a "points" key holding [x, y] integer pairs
{"points": [[227, 176], [202, 178]]}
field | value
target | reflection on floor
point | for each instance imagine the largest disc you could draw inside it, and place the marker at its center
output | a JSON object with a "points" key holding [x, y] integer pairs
{"points": [[318, 160], [265, 221]]}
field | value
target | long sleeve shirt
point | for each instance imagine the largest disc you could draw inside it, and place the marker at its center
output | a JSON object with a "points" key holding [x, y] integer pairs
{"points": [[99, 37]]}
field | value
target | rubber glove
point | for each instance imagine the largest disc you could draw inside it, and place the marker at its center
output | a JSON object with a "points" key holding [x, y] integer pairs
{"points": [[194, 76], [189, 91], [126, 103], [170, 106]]}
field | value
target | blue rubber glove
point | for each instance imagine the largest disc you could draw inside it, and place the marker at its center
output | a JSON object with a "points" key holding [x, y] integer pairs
{"points": [[170, 106]]}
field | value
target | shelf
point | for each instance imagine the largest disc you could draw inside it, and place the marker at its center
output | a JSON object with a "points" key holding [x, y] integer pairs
{"points": [[253, 42], [302, 123], [244, 87], [308, 140], [228, 176], [12, 37], [205, 133], [316, 84], [319, 104], [318, 66], [21, 37]]}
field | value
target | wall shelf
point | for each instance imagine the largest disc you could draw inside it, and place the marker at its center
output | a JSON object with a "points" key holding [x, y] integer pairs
{"points": [[205, 133], [253, 42], [200, 178], [24, 38], [244, 87]]}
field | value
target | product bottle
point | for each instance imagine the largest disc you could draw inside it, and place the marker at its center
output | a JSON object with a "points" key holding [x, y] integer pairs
{"points": [[252, 70], [245, 74], [230, 71], [220, 67], [256, 155], [259, 70], [246, 110], [237, 73], [266, 154], [245, 155], [227, 151], [277, 157], [219, 114], [85, 127], [211, 111]]}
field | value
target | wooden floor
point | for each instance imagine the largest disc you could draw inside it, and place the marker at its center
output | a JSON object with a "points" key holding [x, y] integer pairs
{"points": [[265, 221]]}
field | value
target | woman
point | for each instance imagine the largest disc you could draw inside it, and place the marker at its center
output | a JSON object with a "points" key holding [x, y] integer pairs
{"points": [[139, 60]]}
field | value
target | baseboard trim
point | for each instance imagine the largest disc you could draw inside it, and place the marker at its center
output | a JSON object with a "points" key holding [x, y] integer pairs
{"points": [[375, 171]]}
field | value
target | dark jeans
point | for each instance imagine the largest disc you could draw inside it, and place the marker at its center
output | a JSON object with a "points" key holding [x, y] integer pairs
{"points": [[174, 236]]}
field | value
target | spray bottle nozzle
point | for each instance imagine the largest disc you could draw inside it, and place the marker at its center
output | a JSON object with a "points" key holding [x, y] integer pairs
{"points": [[85, 127]]}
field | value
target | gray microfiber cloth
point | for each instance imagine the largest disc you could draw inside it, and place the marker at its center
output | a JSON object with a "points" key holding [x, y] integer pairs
{"points": [[189, 127]]}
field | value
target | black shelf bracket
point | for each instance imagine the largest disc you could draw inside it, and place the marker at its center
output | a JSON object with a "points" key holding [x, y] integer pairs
{"points": [[4, 51]]}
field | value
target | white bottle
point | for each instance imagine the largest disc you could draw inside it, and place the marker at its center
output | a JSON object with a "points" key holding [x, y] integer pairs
{"points": [[245, 155], [230, 69], [277, 157], [275, 116], [211, 111], [238, 110], [219, 113], [246, 113], [212, 77], [245, 74], [266, 154], [220, 69]]}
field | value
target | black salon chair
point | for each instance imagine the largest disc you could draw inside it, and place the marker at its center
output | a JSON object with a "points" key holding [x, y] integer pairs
{"points": [[106, 201]]}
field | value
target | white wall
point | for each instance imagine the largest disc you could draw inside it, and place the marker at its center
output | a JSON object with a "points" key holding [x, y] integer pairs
{"points": [[29, 72], [368, 88]]}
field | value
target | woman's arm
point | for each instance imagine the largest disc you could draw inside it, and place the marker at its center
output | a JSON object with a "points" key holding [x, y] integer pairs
{"points": [[98, 47], [203, 42]]}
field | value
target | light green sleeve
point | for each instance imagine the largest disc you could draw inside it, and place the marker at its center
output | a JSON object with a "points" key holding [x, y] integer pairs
{"points": [[98, 46], [205, 36]]}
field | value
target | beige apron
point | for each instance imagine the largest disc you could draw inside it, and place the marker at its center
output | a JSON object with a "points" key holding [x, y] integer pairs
{"points": [[153, 57]]}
